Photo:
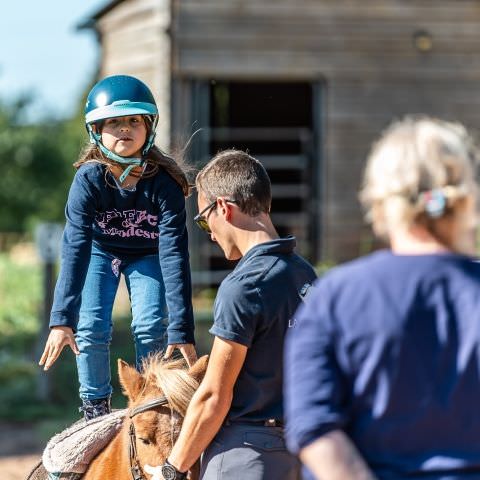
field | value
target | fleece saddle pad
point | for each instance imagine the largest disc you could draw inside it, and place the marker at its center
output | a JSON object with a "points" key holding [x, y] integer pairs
{"points": [[72, 450]]}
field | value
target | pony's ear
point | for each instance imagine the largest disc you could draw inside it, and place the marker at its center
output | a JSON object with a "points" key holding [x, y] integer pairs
{"points": [[198, 369], [130, 379]]}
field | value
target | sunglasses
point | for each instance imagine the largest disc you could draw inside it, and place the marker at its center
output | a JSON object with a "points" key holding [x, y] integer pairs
{"points": [[202, 217]]}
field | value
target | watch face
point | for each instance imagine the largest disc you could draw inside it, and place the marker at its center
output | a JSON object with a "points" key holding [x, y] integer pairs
{"points": [[168, 472]]}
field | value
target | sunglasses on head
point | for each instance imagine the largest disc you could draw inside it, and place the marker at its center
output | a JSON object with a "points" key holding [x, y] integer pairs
{"points": [[202, 217]]}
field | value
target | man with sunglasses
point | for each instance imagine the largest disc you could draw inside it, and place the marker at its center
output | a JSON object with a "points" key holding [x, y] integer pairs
{"points": [[236, 415]]}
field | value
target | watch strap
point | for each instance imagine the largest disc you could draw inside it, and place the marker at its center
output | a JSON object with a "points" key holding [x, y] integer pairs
{"points": [[178, 475]]}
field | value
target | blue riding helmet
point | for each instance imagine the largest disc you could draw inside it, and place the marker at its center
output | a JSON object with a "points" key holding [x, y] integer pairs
{"points": [[118, 96]]}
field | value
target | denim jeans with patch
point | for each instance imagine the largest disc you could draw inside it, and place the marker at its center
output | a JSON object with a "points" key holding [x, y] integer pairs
{"points": [[146, 289]]}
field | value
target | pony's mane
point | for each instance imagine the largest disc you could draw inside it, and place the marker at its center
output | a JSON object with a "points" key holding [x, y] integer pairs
{"points": [[173, 379]]}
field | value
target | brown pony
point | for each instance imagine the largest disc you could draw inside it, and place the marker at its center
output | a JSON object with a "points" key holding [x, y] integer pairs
{"points": [[157, 401]]}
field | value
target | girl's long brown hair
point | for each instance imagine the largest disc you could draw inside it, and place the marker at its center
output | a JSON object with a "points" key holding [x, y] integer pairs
{"points": [[154, 160]]}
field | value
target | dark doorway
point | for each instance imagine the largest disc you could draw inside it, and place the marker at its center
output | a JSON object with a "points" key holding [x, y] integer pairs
{"points": [[276, 123]]}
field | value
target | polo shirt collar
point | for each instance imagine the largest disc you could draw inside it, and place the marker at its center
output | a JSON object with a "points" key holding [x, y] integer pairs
{"points": [[278, 245]]}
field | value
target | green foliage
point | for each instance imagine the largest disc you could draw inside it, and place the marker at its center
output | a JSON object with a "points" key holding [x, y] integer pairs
{"points": [[36, 167], [21, 299], [19, 377], [20, 304]]}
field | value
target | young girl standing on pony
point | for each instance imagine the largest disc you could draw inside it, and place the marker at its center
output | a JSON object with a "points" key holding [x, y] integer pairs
{"points": [[125, 214]]}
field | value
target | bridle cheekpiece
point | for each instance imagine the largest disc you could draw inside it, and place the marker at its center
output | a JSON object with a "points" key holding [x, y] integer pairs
{"points": [[132, 450]]}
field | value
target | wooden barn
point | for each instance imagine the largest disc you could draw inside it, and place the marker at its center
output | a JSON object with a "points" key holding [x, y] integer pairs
{"points": [[304, 85]]}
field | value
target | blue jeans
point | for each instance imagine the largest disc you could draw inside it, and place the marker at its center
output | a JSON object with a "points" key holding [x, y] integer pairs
{"points": [[145, 286]]}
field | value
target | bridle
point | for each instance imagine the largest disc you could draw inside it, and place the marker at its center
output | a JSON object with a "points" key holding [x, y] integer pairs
{"points": [[132, 449]]}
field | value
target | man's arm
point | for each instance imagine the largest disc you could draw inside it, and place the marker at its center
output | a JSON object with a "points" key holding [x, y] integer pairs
{"points": [[334, 457], [210, 403]]}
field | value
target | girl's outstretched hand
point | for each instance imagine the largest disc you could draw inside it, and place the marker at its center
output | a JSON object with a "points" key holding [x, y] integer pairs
{"points": [[187, 349], [57, 339]]}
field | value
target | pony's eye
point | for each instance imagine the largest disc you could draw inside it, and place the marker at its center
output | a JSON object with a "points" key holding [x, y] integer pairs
{"points": [[145, 441]]}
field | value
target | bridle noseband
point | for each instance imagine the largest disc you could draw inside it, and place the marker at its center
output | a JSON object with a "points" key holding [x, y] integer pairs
{"points": [[132, 449]]}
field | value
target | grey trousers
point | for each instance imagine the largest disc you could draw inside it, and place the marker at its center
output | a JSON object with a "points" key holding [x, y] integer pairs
{"points": [[249, 452]]}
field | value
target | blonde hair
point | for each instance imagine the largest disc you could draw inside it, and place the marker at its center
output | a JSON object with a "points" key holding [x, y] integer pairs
{"points": [[173, 379], [421, 170]]}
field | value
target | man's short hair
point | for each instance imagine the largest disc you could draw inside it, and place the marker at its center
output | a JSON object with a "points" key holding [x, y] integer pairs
{"points": [[238, 176]]}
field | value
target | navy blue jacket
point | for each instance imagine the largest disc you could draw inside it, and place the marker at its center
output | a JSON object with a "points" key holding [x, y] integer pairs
{"points": [[127, 224], [387, 349]]}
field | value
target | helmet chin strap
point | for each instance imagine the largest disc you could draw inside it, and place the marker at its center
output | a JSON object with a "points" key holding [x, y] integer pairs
{"points": [[132, 162]]}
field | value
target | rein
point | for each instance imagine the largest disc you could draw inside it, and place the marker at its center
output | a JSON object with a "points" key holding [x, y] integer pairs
{"points": [[132, 449]]}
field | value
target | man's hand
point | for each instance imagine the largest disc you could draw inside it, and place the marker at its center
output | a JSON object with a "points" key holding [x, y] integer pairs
{"points": [[187, 350], [58, 338], [334, 456]]}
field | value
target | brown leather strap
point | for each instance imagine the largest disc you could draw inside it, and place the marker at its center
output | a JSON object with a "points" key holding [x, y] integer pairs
{"points": [[132, 448], [156, 402]]}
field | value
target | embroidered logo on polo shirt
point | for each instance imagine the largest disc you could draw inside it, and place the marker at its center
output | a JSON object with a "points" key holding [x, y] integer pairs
{"points": [[304, 291], [302, 294]]}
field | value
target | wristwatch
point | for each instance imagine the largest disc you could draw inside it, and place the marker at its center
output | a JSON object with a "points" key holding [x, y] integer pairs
{"points": [[169, 472]]}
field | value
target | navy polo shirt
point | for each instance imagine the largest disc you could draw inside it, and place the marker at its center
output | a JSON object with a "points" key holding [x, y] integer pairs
{"points": [[387, 348], [255, 306]]}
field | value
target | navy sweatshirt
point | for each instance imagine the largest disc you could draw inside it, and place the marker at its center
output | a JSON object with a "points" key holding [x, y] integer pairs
{"points": [[387, 349], [127, 224]]}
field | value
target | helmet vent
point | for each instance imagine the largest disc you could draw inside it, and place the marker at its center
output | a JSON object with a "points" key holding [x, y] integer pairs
{"points": [[121, 102]]}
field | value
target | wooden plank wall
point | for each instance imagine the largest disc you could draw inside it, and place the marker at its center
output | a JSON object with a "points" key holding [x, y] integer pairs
{"points": [[135, 41], [365, 53]]}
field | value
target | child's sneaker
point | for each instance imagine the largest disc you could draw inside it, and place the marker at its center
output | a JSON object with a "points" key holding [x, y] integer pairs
{"points": [[95, 408]]}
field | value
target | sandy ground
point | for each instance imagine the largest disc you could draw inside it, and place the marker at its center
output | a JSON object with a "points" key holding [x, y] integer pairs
{"points": [[20, 451], [17, 467]]}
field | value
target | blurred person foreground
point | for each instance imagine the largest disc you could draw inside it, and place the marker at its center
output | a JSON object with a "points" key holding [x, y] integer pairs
{"points": [[382, 367]]}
